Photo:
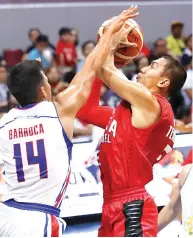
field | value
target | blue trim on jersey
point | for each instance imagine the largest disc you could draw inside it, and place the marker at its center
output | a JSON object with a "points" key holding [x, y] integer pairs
{"points": [[33, 207], [61, 190], [46, 227], [7, 123], [26, 117], [63, 230], [27, 106], [67, 140], [69, 147]]}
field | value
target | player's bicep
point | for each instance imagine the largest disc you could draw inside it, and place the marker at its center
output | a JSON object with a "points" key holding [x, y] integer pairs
{"points": [[67, 121], [74, 97]]}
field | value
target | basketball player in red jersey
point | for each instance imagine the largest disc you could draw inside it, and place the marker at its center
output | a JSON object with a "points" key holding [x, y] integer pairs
{"points": [[138, 133]]}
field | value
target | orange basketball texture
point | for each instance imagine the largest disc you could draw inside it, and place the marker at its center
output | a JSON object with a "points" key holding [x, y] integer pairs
{"points": [[125, 54]]}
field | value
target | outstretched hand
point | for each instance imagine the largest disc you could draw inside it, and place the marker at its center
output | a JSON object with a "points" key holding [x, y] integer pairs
{"points": [[118, 22], [120, 28]]}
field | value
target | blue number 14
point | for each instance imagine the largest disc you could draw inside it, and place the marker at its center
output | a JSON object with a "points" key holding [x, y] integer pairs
{"points": [[40, 159]]}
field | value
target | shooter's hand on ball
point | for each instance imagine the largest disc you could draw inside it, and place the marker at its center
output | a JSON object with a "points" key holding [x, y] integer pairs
{"points": [[118, 27], [120, 20], [121, 37]]}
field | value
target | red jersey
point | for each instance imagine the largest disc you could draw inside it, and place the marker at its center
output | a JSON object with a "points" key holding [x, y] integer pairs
{"points": [[68, 51], [127, 154]]}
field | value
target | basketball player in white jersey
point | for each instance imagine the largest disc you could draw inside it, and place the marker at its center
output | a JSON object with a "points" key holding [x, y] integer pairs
{"points": [[181, 201], [35, 140]]}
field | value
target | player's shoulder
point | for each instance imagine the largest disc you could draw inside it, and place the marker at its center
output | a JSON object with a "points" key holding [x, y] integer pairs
{"points": [[6, 117], [45, 108], [165, 106], [184, 174]]}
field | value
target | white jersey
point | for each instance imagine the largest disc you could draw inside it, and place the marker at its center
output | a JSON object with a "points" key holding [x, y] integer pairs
{"points": [[187, 205], [36, 154]]}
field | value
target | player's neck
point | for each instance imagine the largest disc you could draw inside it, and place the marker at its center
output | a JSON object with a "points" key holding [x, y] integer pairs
{"points": [[158, 91]]}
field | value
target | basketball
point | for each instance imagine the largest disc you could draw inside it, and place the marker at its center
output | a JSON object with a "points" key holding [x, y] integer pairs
{"points": [[125, 54]]}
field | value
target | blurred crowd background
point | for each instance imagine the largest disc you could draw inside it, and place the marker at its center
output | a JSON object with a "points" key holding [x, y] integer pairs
{"points": [[63, 60], [63, 49]]}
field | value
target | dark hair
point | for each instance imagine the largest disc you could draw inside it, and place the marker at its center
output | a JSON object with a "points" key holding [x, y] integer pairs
{"points": [[176, 24], [42, 38], [33, 29], [159, 39], [86, 43], [24, 80], [64, 30], [176, 72]]}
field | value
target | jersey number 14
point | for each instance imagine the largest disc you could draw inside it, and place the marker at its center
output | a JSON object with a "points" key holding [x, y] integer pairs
{"points": [[39, 159]]}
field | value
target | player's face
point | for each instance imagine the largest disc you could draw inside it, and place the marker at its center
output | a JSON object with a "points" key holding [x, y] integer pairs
{"points": [[151, 76], [46, 89]]}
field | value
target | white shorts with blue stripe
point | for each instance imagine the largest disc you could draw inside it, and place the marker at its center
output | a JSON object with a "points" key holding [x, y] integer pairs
{"points": [[23, 223]]}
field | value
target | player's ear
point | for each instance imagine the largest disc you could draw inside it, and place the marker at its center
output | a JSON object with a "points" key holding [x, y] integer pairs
{"points": [[43, 93], [163, 82]]}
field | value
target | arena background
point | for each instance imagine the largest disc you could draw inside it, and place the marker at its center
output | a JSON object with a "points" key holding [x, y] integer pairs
{"points": [[155, 18], [84, 194]]}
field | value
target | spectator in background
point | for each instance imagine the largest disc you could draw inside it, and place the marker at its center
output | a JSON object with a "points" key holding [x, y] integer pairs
{"points": [[175, 41], [65, 49], [42, 51], [186, 60], [182, 101], [187, 53], [66, 56], [2, 61], [87, 48], [189, 80], [159, 50], [55, 80], [140, 63], [33, 34], [4, 92], [74, 36], [75, 40], [109, 98]]}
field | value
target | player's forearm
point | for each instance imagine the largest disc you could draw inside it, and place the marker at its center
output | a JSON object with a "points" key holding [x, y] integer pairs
{"points": [[97, 115], [91, 112], [172, 209], [99, 55], [133, 92], [166, 216], [120, 84]]}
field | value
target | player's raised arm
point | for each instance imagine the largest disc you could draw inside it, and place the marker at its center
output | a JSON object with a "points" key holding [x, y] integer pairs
{"points": [[133, 92], [74, 97], [78, 91], [92, 112]]}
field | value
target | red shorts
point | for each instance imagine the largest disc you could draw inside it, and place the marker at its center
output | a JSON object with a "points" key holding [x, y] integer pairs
{"points": [[129, 213]]}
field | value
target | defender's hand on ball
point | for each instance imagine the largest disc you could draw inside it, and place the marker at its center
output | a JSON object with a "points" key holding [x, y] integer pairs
{"points": [[118, 27]]}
